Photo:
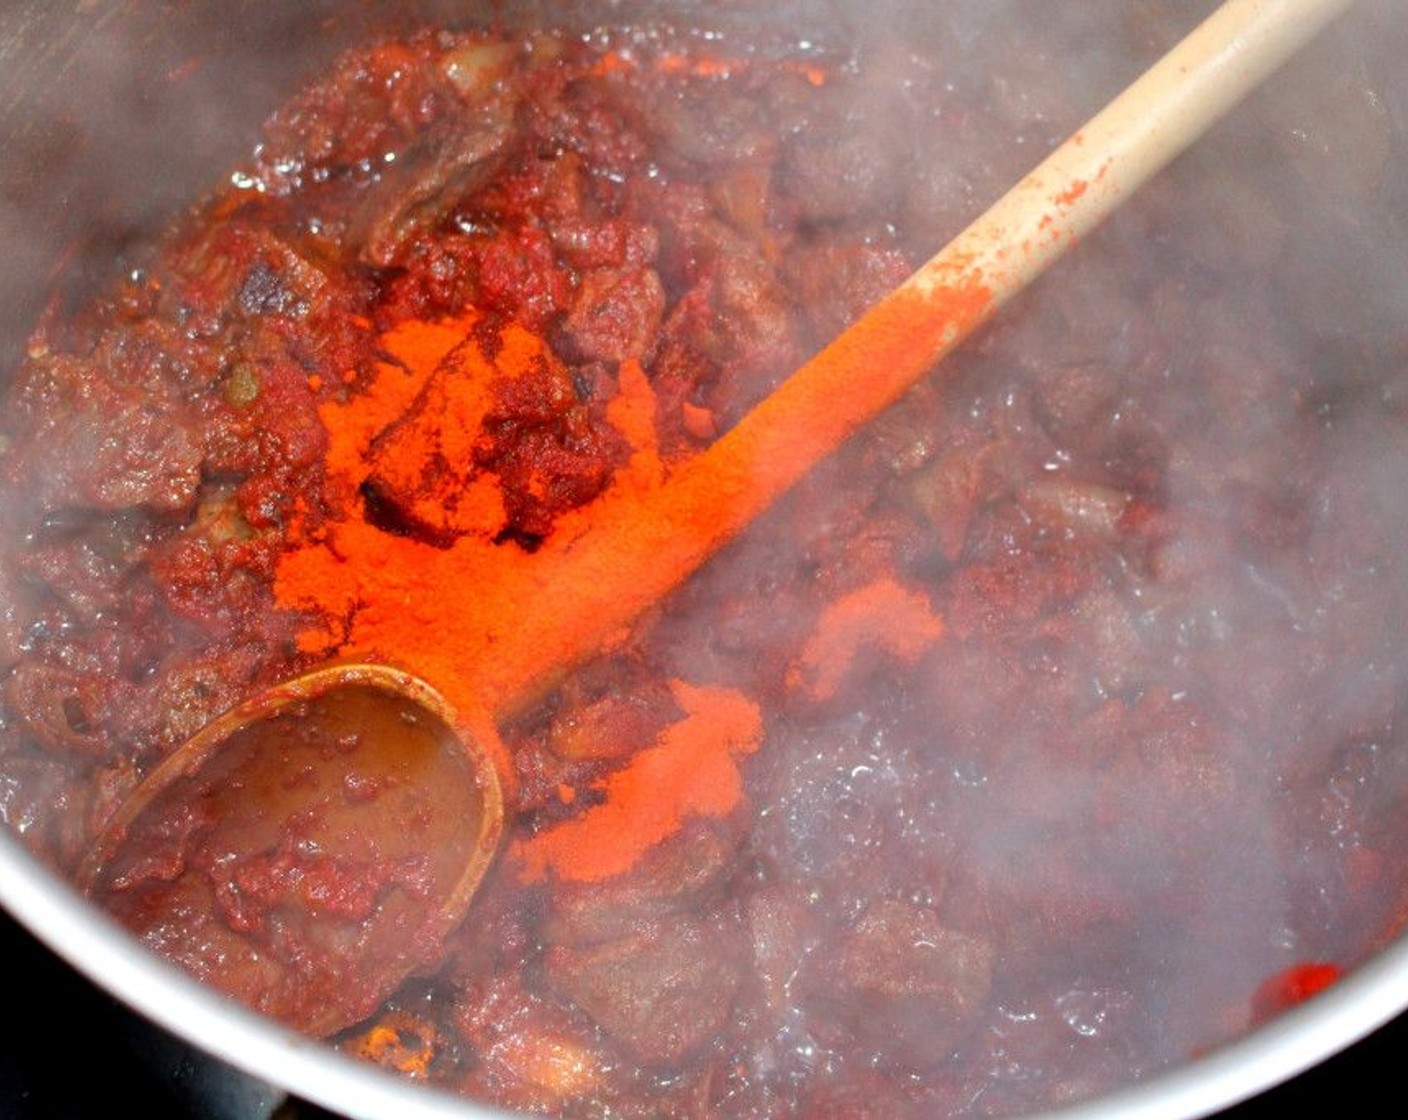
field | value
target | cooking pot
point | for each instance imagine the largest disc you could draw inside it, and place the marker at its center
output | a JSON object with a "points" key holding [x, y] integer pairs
{"points": [[112, 116]]}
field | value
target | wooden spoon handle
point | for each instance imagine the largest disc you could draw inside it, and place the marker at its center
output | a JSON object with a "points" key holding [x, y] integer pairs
{"points": [[642, 544], [1163, 112], [899, 340]]}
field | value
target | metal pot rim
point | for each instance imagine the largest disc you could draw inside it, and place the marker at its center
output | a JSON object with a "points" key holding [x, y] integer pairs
{"points": [[1295, 1041]]}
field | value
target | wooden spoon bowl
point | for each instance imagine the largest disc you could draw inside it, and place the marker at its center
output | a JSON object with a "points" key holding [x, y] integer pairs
{"points": [[309, 849]]}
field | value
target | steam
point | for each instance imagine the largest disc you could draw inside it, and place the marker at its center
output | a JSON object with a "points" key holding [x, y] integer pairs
{"points": [[1253, 655]]}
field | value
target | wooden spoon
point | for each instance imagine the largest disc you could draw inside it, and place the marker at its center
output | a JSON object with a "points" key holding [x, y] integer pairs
{"points": [[310, 848], [355, 825]]}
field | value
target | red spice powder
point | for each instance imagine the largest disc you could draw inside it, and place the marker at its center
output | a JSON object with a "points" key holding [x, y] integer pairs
{"points": [[691, 770], [883, 615]]}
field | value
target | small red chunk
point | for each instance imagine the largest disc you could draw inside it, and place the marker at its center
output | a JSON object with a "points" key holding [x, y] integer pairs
{"points": [[1290, 987]]}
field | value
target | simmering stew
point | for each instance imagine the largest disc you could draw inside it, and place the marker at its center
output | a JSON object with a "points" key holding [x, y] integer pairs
{"points": [[1048, 734]]}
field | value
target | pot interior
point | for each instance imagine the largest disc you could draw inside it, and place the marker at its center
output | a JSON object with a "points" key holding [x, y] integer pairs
{"points": [[1255, 294]]}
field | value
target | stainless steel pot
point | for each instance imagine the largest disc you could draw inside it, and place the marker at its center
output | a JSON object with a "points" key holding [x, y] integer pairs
{"points": [[112, 115]]}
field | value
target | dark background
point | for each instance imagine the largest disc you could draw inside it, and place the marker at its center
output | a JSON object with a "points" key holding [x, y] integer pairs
{"points": [[70, 1052]]}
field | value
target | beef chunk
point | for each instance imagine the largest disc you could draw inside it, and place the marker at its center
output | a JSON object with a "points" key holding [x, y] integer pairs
{"points": [[902, 986], [100, 445], [662, 993]]}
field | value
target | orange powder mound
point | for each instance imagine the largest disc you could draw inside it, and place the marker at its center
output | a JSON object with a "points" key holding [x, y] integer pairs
{"points": [[414, 350], [691, 770], [883, 614], [424, 463], [426, 457], [477, 620], [632, 413]]}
